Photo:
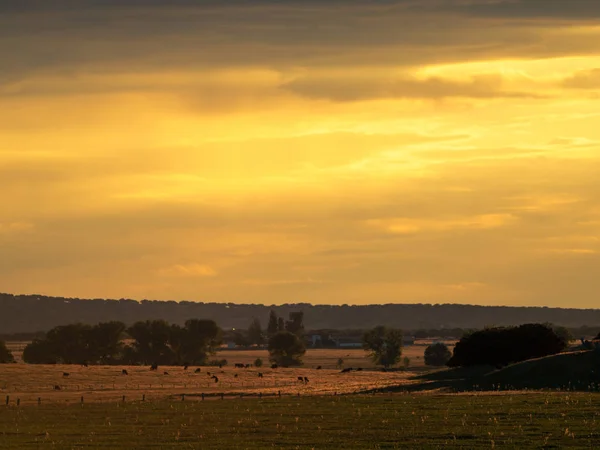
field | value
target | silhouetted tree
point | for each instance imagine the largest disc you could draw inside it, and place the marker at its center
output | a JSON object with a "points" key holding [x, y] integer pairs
{"points": [[39, 351], [202, 338], [296, 323], [5, 354], [273, 326], [105, 342], [151, 341], [286, 349], [255, 333], [501, 346], [437, 354], [280, 324], [71, 343], [384, 345]]}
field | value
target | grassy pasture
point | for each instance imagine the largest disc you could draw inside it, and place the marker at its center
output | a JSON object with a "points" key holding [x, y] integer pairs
{"points": [[508, 420], [106, 383]]}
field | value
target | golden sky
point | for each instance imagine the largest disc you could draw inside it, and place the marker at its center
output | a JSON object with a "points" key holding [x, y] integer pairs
{"points": [[431, 151]]}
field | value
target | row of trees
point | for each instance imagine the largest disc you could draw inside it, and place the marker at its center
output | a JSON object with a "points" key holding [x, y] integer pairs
{"points": [[255, 335], [150, 342]]}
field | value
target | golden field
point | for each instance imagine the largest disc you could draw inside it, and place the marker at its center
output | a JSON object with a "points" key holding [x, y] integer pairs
{"points": [[28, 382]]}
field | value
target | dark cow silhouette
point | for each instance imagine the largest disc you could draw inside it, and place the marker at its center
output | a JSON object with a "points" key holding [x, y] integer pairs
{"points": [[66, 374], [154, 366], [165, 373], [185, 367], [346, 370], [260, 375], [301, 379], [57, 387], [305, 380], [319, 367], [274, 366], [84, 364], [359, 369], [214, 377], [124, 372], [197, 370], [208, 373], [235, 375], [238, 366]]}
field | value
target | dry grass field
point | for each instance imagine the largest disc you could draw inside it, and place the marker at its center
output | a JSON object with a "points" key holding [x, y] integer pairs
{"points": [[28, 382]]}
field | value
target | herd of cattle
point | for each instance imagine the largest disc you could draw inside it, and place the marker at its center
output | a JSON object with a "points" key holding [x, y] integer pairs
{"points": [[154, 367]]}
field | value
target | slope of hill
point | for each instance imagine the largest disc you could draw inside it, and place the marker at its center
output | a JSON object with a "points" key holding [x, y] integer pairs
{"points": [[28, 313], [577, 371]]}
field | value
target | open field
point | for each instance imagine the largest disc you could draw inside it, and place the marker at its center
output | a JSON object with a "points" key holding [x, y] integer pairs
{"points": [[510, 420], [314, 357], [102, 383], [106, 383]]}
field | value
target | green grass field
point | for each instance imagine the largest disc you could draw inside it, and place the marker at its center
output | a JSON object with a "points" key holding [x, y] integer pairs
{"points": [[509, 420]]}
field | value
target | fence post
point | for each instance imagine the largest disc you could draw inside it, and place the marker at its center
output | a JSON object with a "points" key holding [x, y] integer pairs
{"points": [[143, 397], [182, 397], [222, 396], [18, 401], [39, 401], [260, 395], [279, 393], [82, 399], [123, 399], [203, 396]]}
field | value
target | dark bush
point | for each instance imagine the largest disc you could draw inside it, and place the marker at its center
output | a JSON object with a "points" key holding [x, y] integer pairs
{"points": [[5, 354], [502, 346], [437, 354]]}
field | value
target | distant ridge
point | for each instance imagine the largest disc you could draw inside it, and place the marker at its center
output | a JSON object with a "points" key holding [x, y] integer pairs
{"points": [[29, 313]]}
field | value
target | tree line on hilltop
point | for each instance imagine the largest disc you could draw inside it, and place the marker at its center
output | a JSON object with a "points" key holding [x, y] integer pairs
{"points": [[32, 313]]}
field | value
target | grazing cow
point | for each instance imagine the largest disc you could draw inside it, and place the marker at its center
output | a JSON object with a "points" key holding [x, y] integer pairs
{"points": [[208, 373], [197, 370], [66, 374], [346, 370], [185, 367], [305, 380], [274, 366], [260, 375], [359, 369], [214, 377], [238, 366], [57, 387], [319, 367], [124, 372], [154, 366], [301, 379], [165, 373], [247, 366], [84, 364]]}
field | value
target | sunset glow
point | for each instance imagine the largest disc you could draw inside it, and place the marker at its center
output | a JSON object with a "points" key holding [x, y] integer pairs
{"points": [[300, 151]]}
